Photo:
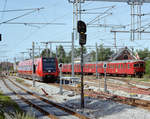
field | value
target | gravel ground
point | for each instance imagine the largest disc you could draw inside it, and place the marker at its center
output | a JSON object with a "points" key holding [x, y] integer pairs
{"points": [[94, 108], [51, 109], [21, 103], [120, 92]]}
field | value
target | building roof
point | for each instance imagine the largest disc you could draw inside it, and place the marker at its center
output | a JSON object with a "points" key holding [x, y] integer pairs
{"points": [[122, 52]]}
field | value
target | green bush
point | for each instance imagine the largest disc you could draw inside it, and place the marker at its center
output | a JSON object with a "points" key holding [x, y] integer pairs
{"points": [[147, 69], [19, 115]]}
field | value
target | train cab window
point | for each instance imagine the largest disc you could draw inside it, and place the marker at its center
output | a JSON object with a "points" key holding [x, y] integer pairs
{"points": [[49, 64], [136, 65], [141, 65]]}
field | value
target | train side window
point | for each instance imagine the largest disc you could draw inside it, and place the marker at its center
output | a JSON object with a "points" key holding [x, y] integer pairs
{"points": [[116, 66], [125, 66], [128, 66], [110, 66], [113, 66], [121, 66]]}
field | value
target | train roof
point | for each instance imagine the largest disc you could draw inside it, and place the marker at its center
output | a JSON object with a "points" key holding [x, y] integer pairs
{"points": [[115, 61]]}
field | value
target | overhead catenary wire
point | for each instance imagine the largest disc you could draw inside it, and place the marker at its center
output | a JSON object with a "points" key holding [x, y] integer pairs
{"points": [[105, 12], [99, 8], [25, 23], [20, 16], [18, 10]]}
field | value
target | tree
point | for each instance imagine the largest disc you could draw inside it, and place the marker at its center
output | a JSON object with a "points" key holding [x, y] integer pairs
{"points": [[68, 57], [61, 54], [77, 51], [45, 53], [93, 55], [104, 53], [143, 53]]}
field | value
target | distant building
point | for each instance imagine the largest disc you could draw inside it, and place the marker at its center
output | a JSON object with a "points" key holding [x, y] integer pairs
{"points": [[124, 54], [5, 66]]}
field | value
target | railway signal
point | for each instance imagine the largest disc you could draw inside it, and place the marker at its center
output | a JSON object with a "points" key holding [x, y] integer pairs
{"points": [[82, 38], [105, 83], [60, 79], [0, 37], [104, 65], [81, 27]]}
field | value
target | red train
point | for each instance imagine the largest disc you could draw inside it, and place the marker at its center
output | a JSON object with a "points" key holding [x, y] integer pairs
{"points": [[46, 69], [118, 67]]}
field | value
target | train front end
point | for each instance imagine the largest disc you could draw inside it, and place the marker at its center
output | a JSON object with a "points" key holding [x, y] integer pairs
{"points": [[139, 68], [50, 69]]}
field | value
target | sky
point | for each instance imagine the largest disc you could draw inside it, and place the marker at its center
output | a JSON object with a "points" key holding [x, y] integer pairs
{"points": [[18, 38]]}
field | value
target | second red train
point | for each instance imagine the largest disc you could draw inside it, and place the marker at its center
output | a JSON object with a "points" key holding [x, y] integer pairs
{"points": [[118, 67]]}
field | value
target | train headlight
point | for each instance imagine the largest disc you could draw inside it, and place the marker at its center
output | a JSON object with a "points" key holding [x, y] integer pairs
{"points": [[49, 70]]}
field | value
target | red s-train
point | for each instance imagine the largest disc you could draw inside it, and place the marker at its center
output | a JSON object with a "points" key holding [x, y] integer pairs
{"points": [[46, 69], [118, 67]]}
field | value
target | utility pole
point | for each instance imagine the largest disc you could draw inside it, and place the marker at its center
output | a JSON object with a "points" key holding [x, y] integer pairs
{"points": [[15, 65], [50, 49], [72, 59], [105, 83], [39, 51], [46, 47], [33, 65], [115, 45], [96, 61], [82, 83], [56, 52]]}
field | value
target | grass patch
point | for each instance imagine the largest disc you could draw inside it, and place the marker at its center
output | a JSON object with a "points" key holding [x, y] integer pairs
{"points": [[7, 105], [11, 108], [23, 116], [19, 80], [6, 101]]}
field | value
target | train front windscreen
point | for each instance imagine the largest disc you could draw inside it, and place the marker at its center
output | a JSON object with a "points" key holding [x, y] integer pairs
{"points": [[49, 65]]}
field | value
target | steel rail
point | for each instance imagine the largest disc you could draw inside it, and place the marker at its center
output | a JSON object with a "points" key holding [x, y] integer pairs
{"points": [[121, 99], [52, 103], [31, 104]]}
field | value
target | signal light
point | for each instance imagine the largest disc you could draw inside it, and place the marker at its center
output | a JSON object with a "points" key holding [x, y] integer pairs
{"points": [[81, 27], [0, 37], [34, 68], [82, 38]]}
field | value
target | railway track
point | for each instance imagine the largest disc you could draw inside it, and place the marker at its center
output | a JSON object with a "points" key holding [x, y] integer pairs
{"points": [[102, 95], [121, 99], [50, 103], [128, 86]]}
